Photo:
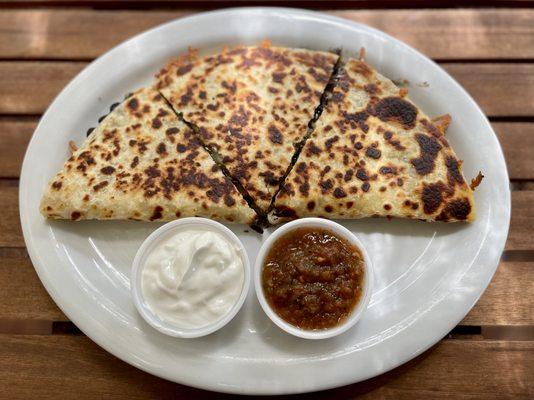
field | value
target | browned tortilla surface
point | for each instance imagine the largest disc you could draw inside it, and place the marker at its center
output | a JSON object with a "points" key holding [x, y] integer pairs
{"points": [[164, 152], [142, 163], [374, 153], [252, 105]]}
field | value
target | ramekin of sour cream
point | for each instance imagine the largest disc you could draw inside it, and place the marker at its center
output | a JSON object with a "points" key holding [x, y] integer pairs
{"points": [[190, 277]]}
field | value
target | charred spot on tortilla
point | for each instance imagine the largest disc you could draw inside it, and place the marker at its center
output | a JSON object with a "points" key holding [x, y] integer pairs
{"points": [[459, 208], [432, 197], [107, 170], [454, 175], [286, 212], [429, 148], [157, 214], [395, 109], [361, 174], [133, 104], [373, 152], [100, 185], [339, 193]]}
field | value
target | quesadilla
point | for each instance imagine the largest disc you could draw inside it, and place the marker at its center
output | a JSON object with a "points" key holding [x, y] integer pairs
{"points": [[143, 163], [374, 153], [251, 105]]}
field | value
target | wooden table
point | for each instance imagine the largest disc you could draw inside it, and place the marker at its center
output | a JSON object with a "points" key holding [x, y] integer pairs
{"points": [[490, 51]]}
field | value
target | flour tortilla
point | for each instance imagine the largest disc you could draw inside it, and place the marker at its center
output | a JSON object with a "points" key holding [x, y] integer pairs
{"points": [[142, 163], [252, 105], [375, 154]]}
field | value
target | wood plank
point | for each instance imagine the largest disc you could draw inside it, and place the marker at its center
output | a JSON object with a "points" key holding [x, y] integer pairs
{"points": [[506, 300], [517, 140], [442, 34], [73, 366], [10, 230], [15, 134], [456, 34], [494, 86], [23, 297], [459, 369], [43, 366], [519, 238], [520, 235], [76, 34], [30, 87]]}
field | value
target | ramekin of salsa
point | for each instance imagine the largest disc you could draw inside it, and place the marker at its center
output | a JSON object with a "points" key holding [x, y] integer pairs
{"points": [[313, 278]]}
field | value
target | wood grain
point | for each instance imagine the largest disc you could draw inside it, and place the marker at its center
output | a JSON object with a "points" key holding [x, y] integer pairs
{"points": [[508, 299], [494, 86], [441, 34], [43, 366], [30, 87], [75, 34], [520, 236], [15, 135], [517, 140], [22, 295], [10, 230], [453, 370], [456, 34]]}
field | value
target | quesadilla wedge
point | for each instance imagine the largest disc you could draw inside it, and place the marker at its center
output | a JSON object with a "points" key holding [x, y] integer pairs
{"points": [[374, 153], [251, 106], [142, 163]]}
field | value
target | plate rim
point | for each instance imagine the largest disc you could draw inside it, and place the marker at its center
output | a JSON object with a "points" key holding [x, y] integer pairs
{"points": [[99, 338]]}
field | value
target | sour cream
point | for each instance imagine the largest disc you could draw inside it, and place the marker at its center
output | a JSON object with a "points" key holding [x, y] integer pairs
{"points": [[193, 278]]}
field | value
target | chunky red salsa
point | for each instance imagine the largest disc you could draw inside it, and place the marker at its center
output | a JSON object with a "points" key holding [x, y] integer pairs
{"points": [[313, 278]]}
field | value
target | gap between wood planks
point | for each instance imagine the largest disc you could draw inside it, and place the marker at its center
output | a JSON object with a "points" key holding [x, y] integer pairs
{"points": [[86, 60], [460, 332], [313, 4]]}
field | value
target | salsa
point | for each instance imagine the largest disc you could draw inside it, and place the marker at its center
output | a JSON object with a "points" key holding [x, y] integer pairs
{"points": [[313, 278]]}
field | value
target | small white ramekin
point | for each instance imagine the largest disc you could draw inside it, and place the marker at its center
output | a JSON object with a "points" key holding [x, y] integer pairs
{"points": [[157, 237], [359, 309]]}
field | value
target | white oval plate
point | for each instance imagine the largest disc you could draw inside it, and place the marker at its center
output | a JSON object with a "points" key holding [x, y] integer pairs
{"points": [[427, 276]]}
